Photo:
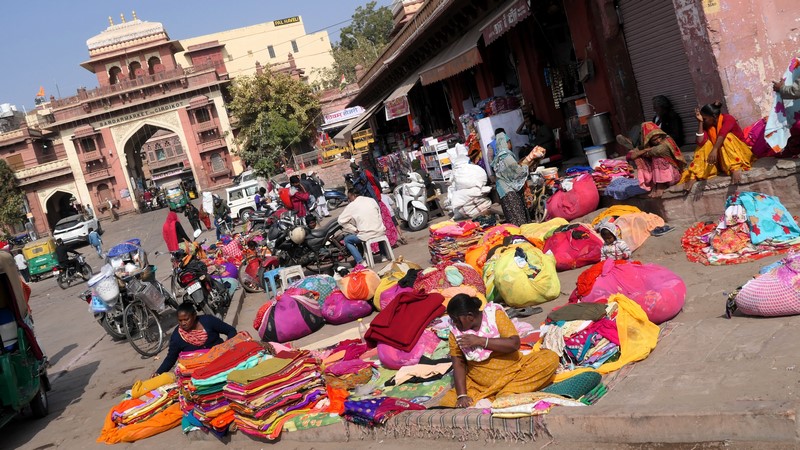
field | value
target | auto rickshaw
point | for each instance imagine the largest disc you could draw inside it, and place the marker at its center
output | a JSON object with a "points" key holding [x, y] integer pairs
{"points": [[23, 373], [176, 196], [41, 257]]}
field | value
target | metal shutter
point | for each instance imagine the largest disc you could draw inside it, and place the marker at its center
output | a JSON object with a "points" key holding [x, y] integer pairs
{"points": [[659, 60]]}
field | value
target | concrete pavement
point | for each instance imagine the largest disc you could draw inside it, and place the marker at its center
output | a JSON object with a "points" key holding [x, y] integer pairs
{"points": [[718, 382]]}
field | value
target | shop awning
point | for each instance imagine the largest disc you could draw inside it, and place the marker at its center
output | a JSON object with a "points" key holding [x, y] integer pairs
{"points": [[464, 54], [458, 57], [509, 15], [344, 136], [404, 88]]}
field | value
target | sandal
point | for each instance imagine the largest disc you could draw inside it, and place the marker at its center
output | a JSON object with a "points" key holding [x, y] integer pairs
{"points": [[660, 231]]}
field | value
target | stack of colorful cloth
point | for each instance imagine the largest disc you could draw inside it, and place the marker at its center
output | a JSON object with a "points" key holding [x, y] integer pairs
{"points": [[450, 240], [376, 411], [582, 334], [267, 395], [608, 170], [203, 375], [152, 411]]}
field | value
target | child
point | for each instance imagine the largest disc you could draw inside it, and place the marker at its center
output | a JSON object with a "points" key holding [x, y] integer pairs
{"points": [[96, 242], [615, 247]]}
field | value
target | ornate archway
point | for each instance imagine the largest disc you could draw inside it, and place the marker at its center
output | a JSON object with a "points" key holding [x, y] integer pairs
{"points": [[58, 206]]}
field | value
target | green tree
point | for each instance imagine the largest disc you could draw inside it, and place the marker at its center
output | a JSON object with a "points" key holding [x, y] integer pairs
{"points": [[361, 42], [11, 203], [275, 112]]}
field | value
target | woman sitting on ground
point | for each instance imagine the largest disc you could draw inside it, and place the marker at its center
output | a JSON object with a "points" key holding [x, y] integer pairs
{"points": [[659, 163], [721, 147], [484, 348], [193, 333]]}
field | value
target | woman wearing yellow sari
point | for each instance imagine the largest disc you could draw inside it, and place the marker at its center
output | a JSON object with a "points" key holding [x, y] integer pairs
{"points": [[484, 348], [721, 147]]}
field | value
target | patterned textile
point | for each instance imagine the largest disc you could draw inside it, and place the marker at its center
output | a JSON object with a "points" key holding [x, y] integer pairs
{"points": [[514, 208], [622, 188], [197, 338], [694, 243], [785, 113], [768, 219], [768, 296]]}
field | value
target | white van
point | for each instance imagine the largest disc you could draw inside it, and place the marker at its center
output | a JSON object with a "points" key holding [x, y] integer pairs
{"points": [[241, 199]]}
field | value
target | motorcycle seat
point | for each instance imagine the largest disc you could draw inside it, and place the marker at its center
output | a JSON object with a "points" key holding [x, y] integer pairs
{"points": [[323, 231]]}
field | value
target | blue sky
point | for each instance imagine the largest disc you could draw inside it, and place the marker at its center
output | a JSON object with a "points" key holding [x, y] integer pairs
{"points": [[45, 40]]}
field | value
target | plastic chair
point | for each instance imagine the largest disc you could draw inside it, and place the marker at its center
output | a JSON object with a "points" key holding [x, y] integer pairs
{"points": [[368, 249], [270, 276], [291, 272]]}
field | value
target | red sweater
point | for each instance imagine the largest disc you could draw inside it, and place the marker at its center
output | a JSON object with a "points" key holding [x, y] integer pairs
{"points": [[402, 322]]}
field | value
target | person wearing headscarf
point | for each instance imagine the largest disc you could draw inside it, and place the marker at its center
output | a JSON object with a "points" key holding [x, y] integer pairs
{"points": [[510, 178], [487, 363], [172, 232], [659, 162], [721, 147]]}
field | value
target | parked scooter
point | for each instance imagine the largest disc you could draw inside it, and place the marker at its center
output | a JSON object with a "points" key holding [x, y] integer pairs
{"points": [[75, 271], [410, 200], [207, 294], [293, 243], [335, 197]]}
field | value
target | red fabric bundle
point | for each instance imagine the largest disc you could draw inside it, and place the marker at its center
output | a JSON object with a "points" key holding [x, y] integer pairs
{"points": [[402, 322]]}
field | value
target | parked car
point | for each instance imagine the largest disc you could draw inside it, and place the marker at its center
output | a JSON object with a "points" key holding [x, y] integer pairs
{"points": [[75, 228], [241, 199]]}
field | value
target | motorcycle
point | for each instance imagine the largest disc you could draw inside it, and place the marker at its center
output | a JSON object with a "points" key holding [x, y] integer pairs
{"points": [[206, 293], [295, 244], [76, 270], [410, 199], [335, 197]]}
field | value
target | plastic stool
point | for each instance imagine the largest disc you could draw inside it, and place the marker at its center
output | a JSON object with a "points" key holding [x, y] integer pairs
{"points": [[368, 249], [289, 273], [270, 276]]}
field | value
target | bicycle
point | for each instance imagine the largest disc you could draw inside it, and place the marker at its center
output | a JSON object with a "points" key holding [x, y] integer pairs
{"points": [[142, 324]]}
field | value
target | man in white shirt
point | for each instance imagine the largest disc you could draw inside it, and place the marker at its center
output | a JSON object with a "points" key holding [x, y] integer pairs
{"points": [[362, 219], [22, 265]]}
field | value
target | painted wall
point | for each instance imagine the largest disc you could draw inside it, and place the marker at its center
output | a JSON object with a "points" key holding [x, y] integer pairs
{"points": [[752, 41], [245, 46]]}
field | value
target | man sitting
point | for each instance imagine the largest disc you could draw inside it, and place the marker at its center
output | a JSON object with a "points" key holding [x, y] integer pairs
{"points": [[361, 218]]}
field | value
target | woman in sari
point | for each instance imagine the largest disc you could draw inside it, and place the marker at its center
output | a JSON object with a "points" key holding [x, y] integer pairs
{"points": [[721, 147], [660, 163], [510, 179], [484, 348], [782, 131]]}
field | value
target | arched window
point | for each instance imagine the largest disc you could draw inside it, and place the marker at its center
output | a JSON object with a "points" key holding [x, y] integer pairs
{"points": [[113, 74], [151, 64], [132, 68], [217, 163]]}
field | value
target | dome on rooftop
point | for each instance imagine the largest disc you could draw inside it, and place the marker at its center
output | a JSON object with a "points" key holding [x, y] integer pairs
{"points": [[124, 32]]}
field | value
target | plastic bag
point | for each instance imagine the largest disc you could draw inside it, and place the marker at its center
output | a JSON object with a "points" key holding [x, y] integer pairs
{"points": [[394, 359], [511, 276], [295, 314], [338, 309], [574, 246]]}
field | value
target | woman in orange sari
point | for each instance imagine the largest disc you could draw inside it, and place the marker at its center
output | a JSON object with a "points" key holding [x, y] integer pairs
{"points": [[659, 163], [721, 147]]}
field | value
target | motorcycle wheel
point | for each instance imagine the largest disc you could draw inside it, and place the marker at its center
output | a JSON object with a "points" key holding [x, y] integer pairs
{"points": [[62, 282], [417, 220], [114, 329], [86, 272], [334, 203], [143, 329], [249, 281]]}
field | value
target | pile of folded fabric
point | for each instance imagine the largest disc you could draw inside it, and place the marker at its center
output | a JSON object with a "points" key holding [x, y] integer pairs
{"points": [[608, 170], [153, 410], [277, 389], [450, 240], [376, 411], [203, 375], [582, 334]]}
